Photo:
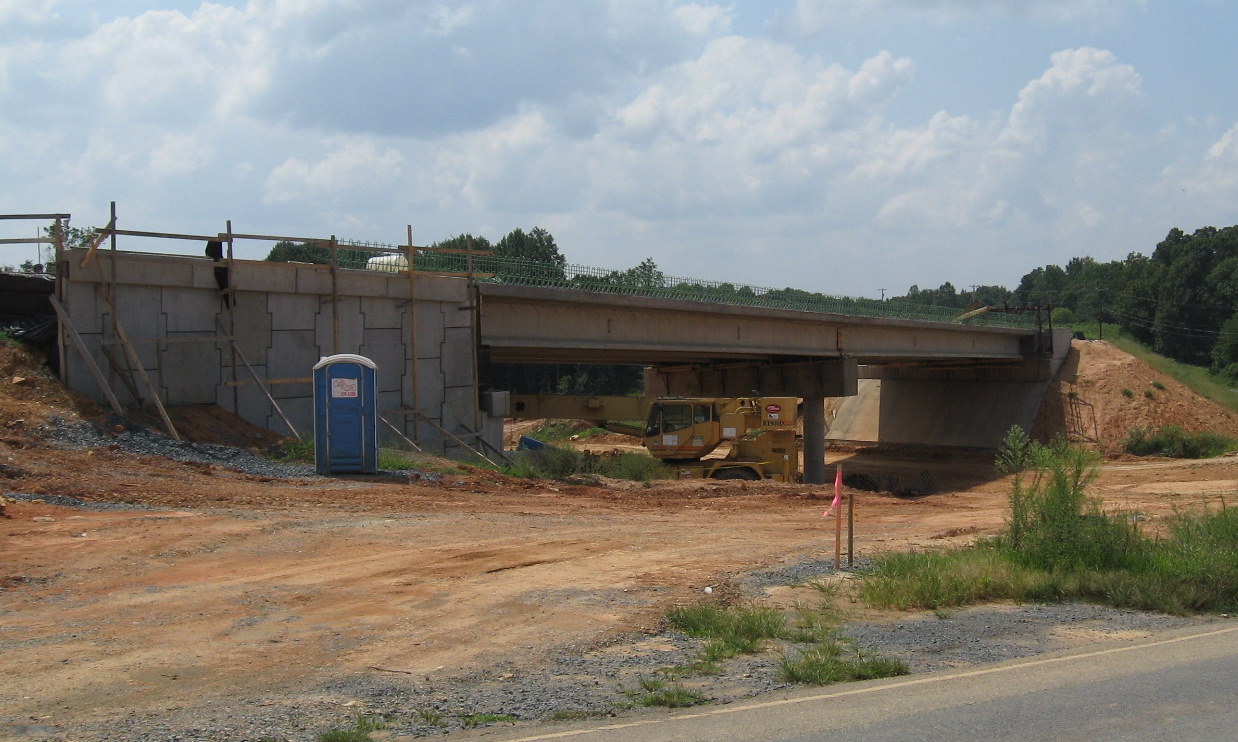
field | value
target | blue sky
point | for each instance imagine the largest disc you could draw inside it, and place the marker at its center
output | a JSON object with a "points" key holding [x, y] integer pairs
{"points": [[842, 146]]}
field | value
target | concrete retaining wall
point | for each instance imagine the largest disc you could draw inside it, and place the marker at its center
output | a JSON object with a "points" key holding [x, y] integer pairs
{"points": [[283, 322]]}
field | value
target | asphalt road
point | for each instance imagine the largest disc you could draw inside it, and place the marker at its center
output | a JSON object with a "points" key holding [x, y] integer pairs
{"points": [[1179, 687]]}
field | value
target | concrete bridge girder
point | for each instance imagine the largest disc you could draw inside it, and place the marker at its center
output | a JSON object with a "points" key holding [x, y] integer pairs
{"points": [[524, 324], [836, 377]]}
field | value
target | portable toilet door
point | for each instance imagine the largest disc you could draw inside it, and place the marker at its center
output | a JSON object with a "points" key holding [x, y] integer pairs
{"points": [[345, 415]]}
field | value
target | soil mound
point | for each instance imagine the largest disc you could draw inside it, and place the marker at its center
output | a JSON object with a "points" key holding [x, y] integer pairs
{"points": [[1101, 393]]}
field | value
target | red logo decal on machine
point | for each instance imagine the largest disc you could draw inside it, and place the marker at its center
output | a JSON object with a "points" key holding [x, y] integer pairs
{"points": [[773, 409]]}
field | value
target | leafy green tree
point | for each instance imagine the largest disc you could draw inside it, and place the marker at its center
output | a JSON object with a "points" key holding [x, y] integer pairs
{"points": [[298, 252], [456, 262], [537, 246], [1062, 317], [1225, 352]]}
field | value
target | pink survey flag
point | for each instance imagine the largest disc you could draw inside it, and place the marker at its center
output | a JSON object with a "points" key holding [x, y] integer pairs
{"points": [[838, 491]]}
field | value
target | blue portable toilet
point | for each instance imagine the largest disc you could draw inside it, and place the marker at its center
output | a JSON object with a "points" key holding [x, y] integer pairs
{"points": [[345, 415]]}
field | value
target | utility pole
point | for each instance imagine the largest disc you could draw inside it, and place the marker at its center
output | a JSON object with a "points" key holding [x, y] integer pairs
{"points": [[883, 294]]}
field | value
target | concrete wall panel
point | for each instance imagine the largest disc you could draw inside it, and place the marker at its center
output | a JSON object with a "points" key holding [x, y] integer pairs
{"points": [[429, 320], [293, 354], [190, 311], [351, 327], [385, 349], [430, 384], [437, 289], [253, 325], [190, 373], [361, 283], [290, 311], [252, 275], [315, 279], [154, 270], [457, 357], [85, 307], [381, 313]]}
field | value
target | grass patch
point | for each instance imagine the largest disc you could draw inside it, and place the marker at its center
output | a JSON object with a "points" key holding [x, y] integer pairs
{"points": [[1172, 441], [389, 459], [579, 714], [837, 662], [432, 716], [554, 462], [472, 721], [827, 658], [1058, 545], [561, 430], [294, 450], [731, 631], [658, 692], [358, 732]]}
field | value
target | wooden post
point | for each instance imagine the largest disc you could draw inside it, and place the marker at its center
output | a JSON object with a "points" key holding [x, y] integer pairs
{"points": [[412, 327], [112, 285], [67, 326], [335, 299], [236, 392], [838, 537], [62, 347], [851, 529]]}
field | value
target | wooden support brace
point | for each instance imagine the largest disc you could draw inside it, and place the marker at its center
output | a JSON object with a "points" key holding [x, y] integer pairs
{"points": [[452, 437], [95, 243], [122, 372], [263, 387], [137, 365], [90, 361], [396, 430]]}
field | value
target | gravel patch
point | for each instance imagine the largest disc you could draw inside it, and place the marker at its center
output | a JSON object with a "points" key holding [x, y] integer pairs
{"points": [[73, 502], [130, 438]]}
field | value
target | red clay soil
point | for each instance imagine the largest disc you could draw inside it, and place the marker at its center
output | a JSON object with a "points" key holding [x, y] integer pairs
{"points": [[1102, 393]]}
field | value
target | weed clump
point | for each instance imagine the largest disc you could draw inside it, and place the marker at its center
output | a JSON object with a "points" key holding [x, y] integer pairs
{"points": [[1172, 441], [1059, 545], [553, 462]]}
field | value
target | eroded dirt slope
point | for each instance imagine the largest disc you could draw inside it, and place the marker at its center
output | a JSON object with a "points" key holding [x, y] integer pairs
{"points": [[1102, 392]]}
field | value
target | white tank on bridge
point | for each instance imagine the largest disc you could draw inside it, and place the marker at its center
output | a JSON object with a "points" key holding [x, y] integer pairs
{"points": [[392, 263]]}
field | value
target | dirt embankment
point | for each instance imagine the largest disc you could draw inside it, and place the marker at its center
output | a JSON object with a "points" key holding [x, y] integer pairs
{"points": [[1102, 393]]}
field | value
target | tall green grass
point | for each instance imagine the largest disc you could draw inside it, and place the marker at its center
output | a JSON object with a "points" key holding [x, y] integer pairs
{"points": [[1059, 545], [1172, 441]]}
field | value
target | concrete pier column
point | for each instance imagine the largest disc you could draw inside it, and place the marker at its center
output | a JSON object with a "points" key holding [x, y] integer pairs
{"points": [[814, 440]]}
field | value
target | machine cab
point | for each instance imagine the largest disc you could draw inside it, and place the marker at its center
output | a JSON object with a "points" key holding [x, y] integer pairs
{"points": [[682, 428]]}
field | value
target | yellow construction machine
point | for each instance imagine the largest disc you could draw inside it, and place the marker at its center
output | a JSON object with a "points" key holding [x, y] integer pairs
{"points": [[685, 432]]}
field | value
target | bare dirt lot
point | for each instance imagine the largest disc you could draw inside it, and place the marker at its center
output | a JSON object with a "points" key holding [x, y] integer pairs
{"points": [[117, 623]]}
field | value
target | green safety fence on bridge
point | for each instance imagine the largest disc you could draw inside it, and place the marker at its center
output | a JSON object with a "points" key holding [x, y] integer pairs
{"points": [[647, 281]]}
